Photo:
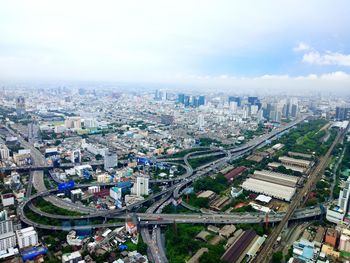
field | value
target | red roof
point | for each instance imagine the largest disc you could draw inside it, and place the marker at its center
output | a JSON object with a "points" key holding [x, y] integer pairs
{"points": [[235, 172], [239, 205], [102, 193]]}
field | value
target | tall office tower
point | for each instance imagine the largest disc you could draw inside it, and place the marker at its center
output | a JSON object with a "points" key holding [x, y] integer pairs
{"points": [[158, 95], [194, 101], [110, 160], [201, 121], [254, 109], [260, 116], [294, 111], [286, 110], [267, 111], [233, 107], [235, 99], [344, 194], [254, 101], [342, 113], [187, 101], [20, 105], [181, 98], [246, 111], [7, 236], [141, 186], [33, 132], [201, 100]]}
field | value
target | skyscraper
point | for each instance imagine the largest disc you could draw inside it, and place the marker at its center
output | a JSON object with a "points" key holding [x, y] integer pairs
{"points": [[20, 105], [141, 186], [201, 100], [235, 99], [181, 98], [7, 236], [342, 113]]}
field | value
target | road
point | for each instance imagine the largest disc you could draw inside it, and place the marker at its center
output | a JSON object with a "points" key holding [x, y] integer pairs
{"points": [[298, 199], [335, 169], [190, 176]]}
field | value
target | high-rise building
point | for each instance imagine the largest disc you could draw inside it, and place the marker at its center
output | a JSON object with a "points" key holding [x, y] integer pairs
{"points": [[254, 101], [4, 152], [110, 160], [7, 236], [20, 105], [235, 99], [233, 107], [158, 95], [342, 113], [201, 121], [141, 186], [27, 237], [194, 102], [201, 100], [294, 111], [181, 98], [336, 214], [73, 123], [187, 100]]}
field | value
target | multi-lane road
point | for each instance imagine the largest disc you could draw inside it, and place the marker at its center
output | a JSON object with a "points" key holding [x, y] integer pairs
{"points": [[298, 200], [152, 217]]}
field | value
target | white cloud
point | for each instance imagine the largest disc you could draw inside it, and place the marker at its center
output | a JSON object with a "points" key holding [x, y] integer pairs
{"points": [[301, 47], [328, 58]]}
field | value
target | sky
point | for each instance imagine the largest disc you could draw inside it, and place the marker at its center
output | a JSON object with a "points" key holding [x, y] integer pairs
{"points": [[257, 45]]}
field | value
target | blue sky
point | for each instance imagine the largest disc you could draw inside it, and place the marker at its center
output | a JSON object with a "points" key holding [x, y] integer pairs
{"points": [[201, 43]]}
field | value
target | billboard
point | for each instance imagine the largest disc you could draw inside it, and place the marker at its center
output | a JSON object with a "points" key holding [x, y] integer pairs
{"points": [[66, 186]]}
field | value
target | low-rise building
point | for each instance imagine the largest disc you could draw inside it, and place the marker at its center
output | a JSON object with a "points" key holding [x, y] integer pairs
{"points": [[73, 257], [199, 253], [331, 237]]}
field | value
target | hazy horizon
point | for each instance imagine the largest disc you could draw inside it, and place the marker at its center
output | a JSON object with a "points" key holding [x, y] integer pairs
{"points": [[243, 46]]}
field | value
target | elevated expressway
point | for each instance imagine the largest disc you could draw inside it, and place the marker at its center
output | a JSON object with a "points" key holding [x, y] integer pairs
{"points": [[188, 178]]}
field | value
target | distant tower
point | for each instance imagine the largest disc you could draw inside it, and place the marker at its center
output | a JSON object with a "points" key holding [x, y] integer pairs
{"points": [[20, 106]]}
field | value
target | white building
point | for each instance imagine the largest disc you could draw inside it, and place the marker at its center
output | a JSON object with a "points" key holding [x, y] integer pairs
{"points": [[4, 152], [73, 257], [27, 237], [141, 186], [267, 188], [90, 123], [201, 121], [7, 236], [336, 214], [73, 239]]}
